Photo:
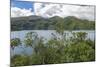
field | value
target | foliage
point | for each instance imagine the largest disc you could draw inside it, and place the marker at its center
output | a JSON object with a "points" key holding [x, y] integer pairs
{"points": [[15, 42], [59, 49], [59, 26], [40, 23], [80, 52], [78, 36], [30, 39], [20, 60]]}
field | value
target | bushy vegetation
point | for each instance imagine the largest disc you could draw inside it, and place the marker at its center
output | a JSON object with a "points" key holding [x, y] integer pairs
{"points": [[56, 50], [59, 49], [40, 23]]}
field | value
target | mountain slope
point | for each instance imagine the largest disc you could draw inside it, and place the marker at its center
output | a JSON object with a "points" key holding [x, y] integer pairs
{"points": [[40, 23]]}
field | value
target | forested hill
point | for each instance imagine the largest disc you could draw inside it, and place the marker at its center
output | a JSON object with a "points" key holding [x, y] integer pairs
{"points": [[40, 23]]}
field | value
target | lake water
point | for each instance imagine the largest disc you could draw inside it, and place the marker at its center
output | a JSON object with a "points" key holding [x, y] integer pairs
{"points": [[41, 33]]}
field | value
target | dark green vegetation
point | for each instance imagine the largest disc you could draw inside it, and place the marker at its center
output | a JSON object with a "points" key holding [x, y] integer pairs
{"points": [[40, 23], [15, 42], [58, 49]]}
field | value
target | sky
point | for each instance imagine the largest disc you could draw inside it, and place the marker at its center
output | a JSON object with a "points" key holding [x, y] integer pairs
{"points": [[19, 8], [24, 8]]}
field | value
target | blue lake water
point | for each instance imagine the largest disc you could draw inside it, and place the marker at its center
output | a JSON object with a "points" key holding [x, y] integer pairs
{"points": [[41, 33]]}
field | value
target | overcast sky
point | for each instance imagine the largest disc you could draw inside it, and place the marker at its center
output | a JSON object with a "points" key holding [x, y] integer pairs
{"points": [[47, 10]]}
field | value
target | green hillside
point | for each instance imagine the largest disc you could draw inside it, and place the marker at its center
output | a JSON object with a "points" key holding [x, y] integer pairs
{"points": [[40, 23]]}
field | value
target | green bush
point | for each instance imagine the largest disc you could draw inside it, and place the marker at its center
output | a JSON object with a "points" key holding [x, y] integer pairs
{"points": [[20, 60]]}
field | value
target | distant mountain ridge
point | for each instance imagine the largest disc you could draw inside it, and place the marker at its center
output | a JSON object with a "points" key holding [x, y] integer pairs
{"points": [[41, 23]]}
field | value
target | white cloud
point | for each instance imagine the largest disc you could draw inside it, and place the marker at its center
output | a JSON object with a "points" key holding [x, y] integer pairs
{"points": [[49, 10], [18, 12]]}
